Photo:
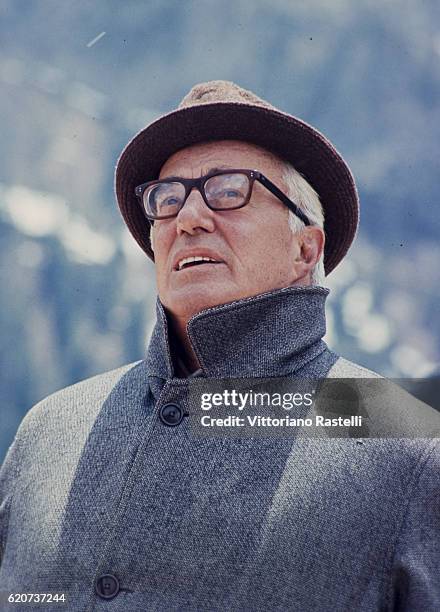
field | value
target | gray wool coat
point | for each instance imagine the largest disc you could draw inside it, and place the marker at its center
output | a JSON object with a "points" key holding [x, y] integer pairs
{"points": [[101, 500]]}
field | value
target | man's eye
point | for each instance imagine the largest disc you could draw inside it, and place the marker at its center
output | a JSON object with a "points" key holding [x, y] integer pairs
{"points": [[230, 193], [170, 202]]}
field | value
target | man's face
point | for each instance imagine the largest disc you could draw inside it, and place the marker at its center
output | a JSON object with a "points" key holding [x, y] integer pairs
{"points": [[254, 244]]}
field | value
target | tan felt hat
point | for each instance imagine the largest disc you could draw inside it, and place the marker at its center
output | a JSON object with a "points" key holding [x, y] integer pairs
{"points": [[221, 110]]}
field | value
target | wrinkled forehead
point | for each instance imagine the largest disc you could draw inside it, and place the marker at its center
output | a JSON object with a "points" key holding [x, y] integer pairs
{"points": [[200, 159]]}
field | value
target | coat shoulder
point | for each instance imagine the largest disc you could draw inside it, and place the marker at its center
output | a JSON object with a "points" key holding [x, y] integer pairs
{"points": [[76, 402], [343, 368], [390, 411]]}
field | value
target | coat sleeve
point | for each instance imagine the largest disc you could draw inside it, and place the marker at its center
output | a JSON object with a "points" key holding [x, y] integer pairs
{"points": [[415, 583], [8, 476]]}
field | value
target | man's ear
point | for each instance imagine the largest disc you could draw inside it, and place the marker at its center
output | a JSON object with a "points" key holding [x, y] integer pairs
{"points": [[312, 244]]}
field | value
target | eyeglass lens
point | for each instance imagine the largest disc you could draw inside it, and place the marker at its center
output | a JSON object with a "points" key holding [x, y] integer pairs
{"points": [[223, 192]]}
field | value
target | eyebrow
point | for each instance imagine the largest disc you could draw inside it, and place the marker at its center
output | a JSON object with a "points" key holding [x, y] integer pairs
{"points": [[215, 168], [212, 169]]}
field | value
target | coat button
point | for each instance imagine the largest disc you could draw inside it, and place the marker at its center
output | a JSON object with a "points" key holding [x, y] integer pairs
{"points": [[107, 586], [171, 415]]}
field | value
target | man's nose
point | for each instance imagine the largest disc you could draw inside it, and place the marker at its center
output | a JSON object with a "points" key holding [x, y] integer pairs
{"points": [[195, 215]]}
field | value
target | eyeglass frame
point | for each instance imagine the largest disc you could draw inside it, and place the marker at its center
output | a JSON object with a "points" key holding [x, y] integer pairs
{"points": [[199, 184]]}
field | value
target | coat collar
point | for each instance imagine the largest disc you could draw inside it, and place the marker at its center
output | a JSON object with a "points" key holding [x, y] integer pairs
{"points": [[271, 334]]}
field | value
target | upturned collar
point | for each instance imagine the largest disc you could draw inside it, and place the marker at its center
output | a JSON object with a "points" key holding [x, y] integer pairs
{"points": [[270, 334]]}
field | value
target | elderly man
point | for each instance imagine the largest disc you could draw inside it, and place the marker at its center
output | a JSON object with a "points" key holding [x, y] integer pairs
{"points": [[109, 499]]}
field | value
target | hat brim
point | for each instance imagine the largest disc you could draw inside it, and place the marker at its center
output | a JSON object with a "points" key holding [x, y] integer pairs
{"points": [[288, 137]]}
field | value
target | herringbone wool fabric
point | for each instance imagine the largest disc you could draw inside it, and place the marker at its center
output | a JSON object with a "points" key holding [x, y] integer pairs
{"points": [[96, 484]]}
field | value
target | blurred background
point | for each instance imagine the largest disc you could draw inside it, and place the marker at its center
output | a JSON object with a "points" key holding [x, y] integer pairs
{"points": [[79, 79]]}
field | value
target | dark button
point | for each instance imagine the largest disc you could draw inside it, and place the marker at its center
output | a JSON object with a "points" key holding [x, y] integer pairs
{"points": [[171, 415], [107, 586]]}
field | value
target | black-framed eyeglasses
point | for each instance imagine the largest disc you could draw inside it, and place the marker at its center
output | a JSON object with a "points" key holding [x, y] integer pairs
{"points": [[221, 190]]}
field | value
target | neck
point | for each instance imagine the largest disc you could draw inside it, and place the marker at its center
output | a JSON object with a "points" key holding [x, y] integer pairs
{"points": [[181, 348]]}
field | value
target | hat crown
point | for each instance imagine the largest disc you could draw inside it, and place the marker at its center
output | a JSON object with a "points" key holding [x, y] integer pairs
{"points": [[221, 91]]}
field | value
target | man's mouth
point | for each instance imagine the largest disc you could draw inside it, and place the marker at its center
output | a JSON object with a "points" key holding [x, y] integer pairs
{"points": [[188, 262]]}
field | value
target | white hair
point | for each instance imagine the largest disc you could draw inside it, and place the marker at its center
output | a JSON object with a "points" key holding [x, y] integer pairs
{"points": [[306, 198], [152, 237]]}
